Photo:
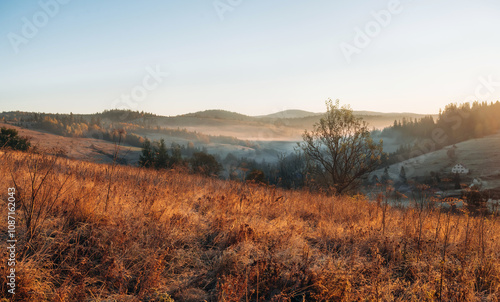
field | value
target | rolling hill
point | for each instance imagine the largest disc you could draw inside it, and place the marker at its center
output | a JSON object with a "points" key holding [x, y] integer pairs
{"points": [[86, 149], [286, 125], [220, 132], [280, 126], [292, 113], [480, 156], [218, 114]]}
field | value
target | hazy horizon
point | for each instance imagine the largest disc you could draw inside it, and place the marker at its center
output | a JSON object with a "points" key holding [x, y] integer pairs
{"points": [[215, 109]]}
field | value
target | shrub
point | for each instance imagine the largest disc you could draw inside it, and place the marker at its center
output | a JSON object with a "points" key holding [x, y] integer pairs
{"points": [[204, 163], [9, 138]]}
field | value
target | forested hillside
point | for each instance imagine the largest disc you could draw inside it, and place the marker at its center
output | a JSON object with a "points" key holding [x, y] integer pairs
{"points": [[456, 123]]}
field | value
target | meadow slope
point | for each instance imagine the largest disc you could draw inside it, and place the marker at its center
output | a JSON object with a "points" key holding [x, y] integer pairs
{"points": [[98, 233], [87, 149], [479, 155]]}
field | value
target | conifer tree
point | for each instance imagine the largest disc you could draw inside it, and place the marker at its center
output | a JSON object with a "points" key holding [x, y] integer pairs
{"points": [[161, 155], [385, 176], [176, 158], [402, 175], [147, 158]]}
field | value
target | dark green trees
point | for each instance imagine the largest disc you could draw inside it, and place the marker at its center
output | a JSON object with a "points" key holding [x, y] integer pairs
{"points": [[161, 155], [176, 158], [154, 156], [9, 138], [158, 156], [385, 177], [402, 175], [147, 158]]}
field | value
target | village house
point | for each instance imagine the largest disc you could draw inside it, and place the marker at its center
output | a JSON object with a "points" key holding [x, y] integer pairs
{"points": [[460, 169]]}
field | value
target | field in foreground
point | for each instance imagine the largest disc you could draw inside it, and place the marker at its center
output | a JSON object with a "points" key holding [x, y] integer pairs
{"points": [[91, 232]]}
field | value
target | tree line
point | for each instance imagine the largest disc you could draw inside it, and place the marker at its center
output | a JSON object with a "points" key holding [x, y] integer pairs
{"points": [[134, 124], [455, 124], [158, 156]]}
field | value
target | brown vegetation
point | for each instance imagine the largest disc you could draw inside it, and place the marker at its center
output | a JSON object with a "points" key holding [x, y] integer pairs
{"points": [[168, 235]]}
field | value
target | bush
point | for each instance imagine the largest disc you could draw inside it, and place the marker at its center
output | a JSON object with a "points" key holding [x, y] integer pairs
{"points": [[257, 176], [204, 163], [9, 138]]}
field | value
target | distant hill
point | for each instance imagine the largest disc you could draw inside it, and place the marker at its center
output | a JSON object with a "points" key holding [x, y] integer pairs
{"points": [[292, 113], [283, 125], [218, 114], [395, 115], [286, 125]]}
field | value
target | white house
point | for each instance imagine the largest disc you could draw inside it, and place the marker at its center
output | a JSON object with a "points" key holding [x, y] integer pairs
{"points": [[459, 168]]}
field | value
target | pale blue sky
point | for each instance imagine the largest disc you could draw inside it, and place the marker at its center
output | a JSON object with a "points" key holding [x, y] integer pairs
{"points": [[262, 57]]}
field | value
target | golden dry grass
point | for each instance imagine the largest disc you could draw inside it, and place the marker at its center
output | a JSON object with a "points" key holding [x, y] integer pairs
{"points": [[171, 236]]}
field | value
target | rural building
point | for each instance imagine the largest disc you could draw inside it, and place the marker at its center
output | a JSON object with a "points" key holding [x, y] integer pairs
{"points": [[460, 169]]}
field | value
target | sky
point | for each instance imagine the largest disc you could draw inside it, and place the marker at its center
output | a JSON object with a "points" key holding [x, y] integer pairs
{"points": [[253, 57]]}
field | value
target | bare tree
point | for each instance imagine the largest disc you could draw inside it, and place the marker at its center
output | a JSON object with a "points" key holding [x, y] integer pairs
{"points": [[341, 146]]}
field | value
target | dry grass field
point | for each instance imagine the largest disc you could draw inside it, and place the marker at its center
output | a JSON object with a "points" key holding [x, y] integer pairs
{"points": [[87, 149], [94, 232]]}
